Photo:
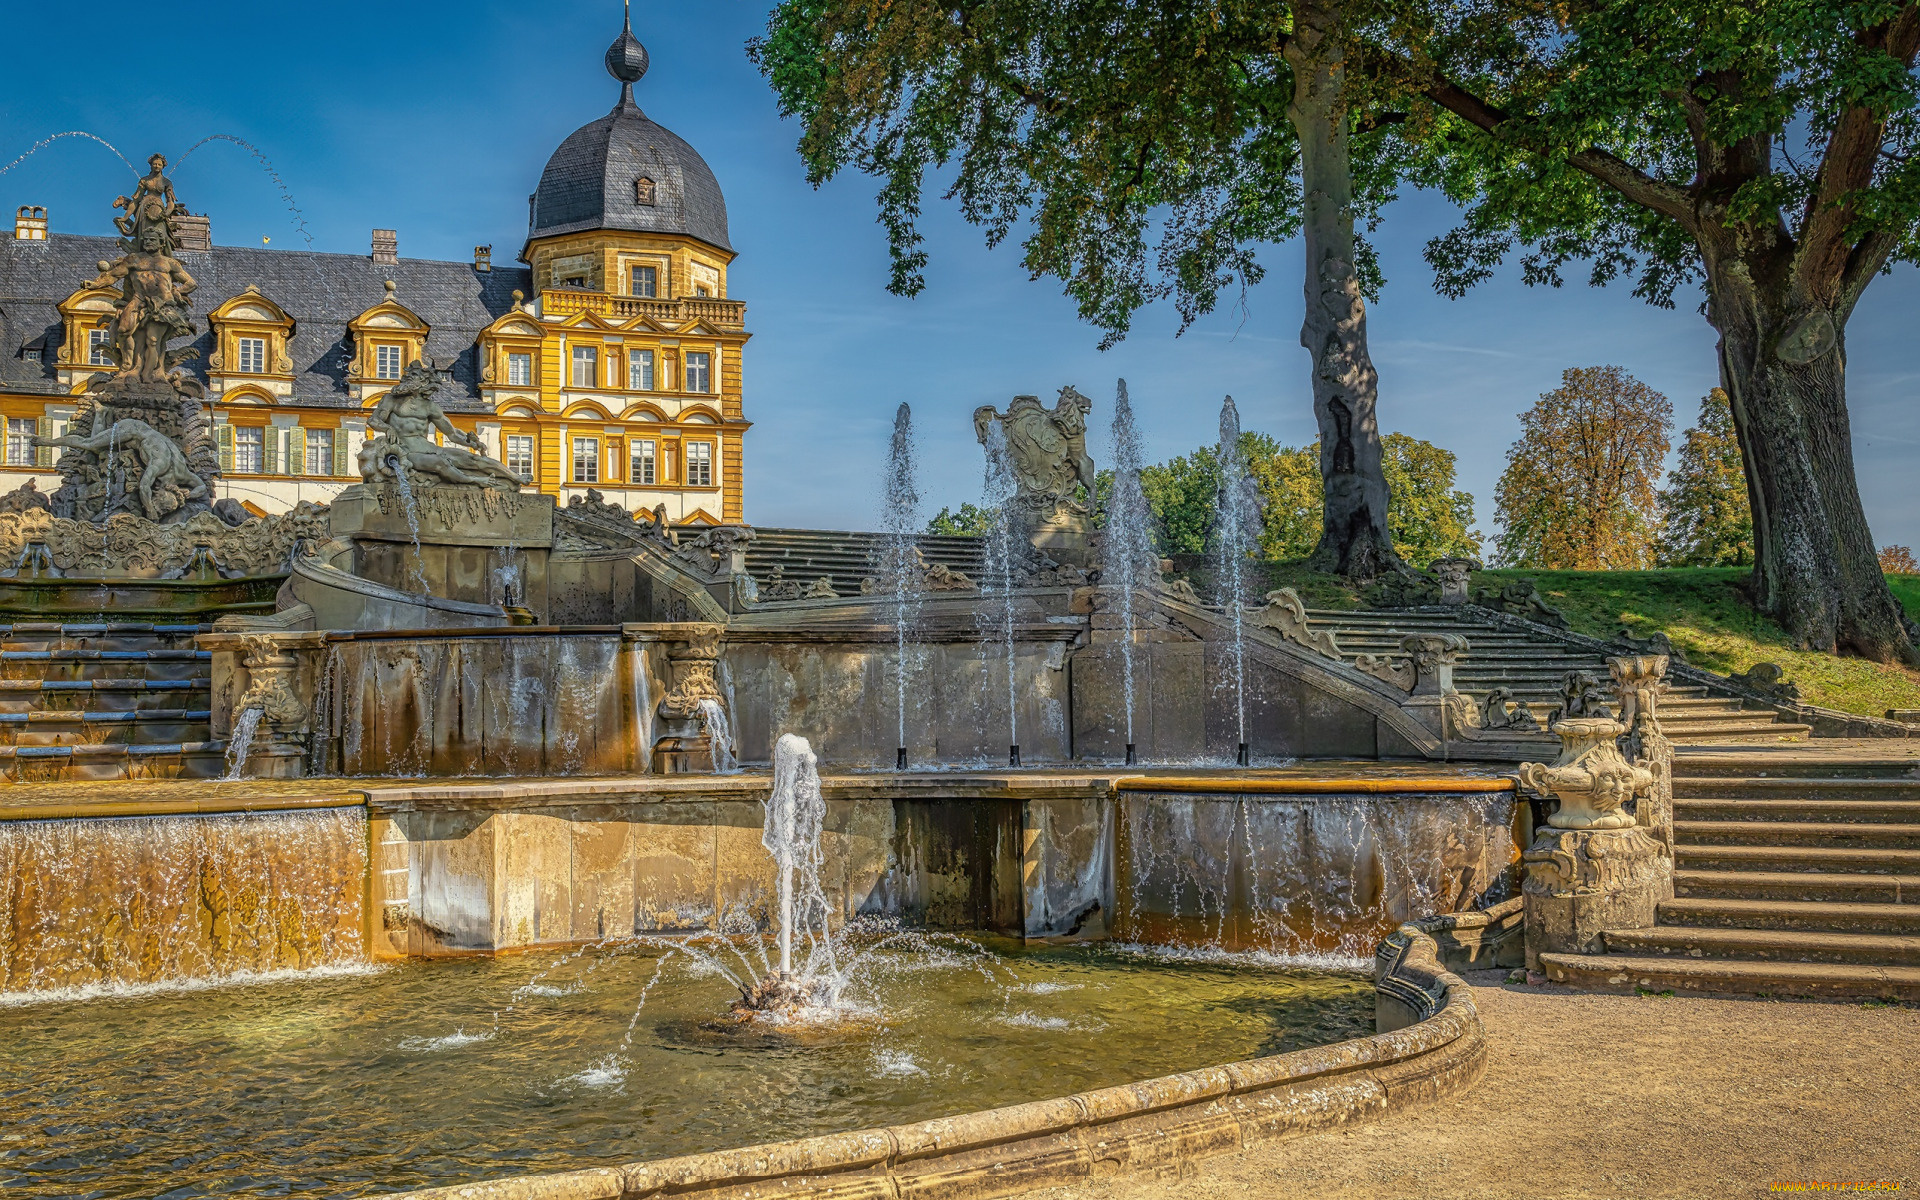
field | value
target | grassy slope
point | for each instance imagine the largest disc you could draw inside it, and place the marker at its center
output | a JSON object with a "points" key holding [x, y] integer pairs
{"points": [[1705, 612]]}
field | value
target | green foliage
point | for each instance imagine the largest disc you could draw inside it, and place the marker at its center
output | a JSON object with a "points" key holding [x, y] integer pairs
{"points": [[1709, 616], [1429, 518], [970, 521], [1707, 520], [1086, 122]]}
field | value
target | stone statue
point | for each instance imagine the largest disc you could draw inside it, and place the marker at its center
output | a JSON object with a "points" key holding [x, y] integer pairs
{"points": [[141, 440], [405, 418], [1047, 453]]}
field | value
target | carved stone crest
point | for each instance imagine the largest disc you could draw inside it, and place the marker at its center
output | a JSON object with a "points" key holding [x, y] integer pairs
{"points": [[1286, 614], [1047, 457]]}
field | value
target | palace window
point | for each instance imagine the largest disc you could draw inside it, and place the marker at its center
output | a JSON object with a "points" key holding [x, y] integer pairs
{"points": [[31, 354], [643, 465], [386, 362], [586, 460], [249, 449], [20, 433], [320, 451], [640, 370], [699, 464], [574, 281], [643, 191], [519, 370], [253, 356], [586, 366], [520, 455], [98, 342], [699, 372], [702, 291], [646, 282]]}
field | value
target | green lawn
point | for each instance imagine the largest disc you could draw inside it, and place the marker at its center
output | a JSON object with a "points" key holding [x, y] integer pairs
{"points": [[1705, 612]]}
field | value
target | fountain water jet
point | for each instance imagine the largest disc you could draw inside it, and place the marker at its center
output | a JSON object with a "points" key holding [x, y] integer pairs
{"points": [[240, 745], [996, 618], [796, 817], [1239, 507], [713, 719], [1128, 546], [901, 521]]}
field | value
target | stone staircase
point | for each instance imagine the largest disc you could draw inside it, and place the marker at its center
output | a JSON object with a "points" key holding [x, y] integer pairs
{"points": [[1534, 666], [104, 701], [804, 555], [1794, 875]]}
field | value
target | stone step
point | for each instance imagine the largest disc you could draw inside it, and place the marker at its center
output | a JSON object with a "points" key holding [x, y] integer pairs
{"points": [[1880, 861], [150, 727], [1767, 789], [32, 636], [1787, 835], [1811, 916], [1824, 886], [64, 665], [1845, 771], [58, 764], [102, 695], [1707, 733], [1626, 973], [1788, 808], [1767, 945]]}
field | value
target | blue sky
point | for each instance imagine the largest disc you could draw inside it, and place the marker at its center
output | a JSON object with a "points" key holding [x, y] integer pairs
{"points": [[435, 119]]}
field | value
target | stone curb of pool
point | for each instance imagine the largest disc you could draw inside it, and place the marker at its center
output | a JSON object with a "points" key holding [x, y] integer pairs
{"points": [[1433, 1045]]}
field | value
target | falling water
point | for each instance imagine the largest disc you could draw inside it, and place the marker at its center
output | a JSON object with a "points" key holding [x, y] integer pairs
{"points": [[796, 816], [413, 521], [1238, 519], [241, 743], [325, 700], [713, 718], [299, 218], [43, 143], [1128, 545], [901, 521], [997, 616]]}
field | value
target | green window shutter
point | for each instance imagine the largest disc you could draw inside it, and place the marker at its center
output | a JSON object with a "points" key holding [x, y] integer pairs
{"points": [[223, 434], [340, 451], [43, 455], [270, 450], [296, 451]]}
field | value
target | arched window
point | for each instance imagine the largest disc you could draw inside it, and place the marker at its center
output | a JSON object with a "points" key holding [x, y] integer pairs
{"points": [[643, 191]]}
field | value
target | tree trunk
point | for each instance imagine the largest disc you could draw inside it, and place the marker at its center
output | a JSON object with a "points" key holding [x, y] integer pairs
{"points": [[1783, 363], [1354, 539]]}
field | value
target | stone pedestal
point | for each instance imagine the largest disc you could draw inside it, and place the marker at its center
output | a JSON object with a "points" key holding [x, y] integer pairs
{"points": [[1066, 537], [473, 544], [1583, 882]]}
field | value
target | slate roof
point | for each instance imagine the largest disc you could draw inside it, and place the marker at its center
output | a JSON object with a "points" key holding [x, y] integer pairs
{"points": [[588, 183], [321, 292]]}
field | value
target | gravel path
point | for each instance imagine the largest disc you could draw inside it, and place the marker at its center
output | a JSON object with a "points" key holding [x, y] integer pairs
{"points": [[1590, 1096]]}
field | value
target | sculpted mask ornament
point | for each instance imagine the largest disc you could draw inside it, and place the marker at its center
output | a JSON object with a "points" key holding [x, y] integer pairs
{"points": [[1592, 780], [693, 663], [270, 669]]}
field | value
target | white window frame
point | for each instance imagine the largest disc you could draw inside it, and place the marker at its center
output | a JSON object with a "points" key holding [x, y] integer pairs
{"points": [[699, 370], [644, 469], [640, 370], [519, 451], [251, 355], [316, 439], [586, 366], [653, 283], [586, 460], [249, 438], [699, 464], [21, 452], [389, 362], [99, 345], [519, 369]]}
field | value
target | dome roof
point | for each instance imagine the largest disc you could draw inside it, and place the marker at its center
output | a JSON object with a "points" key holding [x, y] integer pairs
{"points": [[623, 171]]}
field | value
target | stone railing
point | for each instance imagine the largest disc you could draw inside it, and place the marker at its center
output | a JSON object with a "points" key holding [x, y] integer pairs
{"points": [[566, 302], [1432, 1045]]}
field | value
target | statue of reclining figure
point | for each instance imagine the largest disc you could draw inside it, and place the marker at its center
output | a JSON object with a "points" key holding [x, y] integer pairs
{"points": [[161, 459], [407, 416]]}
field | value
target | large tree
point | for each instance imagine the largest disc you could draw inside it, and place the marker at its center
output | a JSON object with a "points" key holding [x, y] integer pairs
{"points": [[1233, 123], [1580, 489], [1705, 518], [1763, 150]]}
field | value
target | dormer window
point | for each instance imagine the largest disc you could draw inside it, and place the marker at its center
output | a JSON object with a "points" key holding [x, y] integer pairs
{"points": [[31, 354], [98, 341], [253, 356], [643, 190], [386, 362]]}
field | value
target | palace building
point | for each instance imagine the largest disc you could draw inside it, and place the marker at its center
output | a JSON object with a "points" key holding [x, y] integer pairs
{"points": [[611, 360]]}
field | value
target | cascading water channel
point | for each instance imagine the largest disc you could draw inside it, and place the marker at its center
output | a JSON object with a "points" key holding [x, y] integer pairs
{"points": [[996, 615], [1128, 545], [713, 718], [900, 503], [1238, 509], [413, 520]]}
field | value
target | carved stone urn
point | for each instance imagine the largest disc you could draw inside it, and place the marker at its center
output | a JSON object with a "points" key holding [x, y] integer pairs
{"points": [[1592, 868], [684, 741]]}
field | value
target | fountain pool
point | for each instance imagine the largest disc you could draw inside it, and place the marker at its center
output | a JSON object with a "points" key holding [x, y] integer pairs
{"points": [[424, 1074]]}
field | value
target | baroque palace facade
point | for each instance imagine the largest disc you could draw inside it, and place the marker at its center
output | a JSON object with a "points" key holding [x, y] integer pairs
{"points": [[610, 361]]}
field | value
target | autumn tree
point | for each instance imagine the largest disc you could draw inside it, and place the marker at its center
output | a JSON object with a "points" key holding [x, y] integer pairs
{"points": [[1580, 488], [1898, 560], [1705, 518], [1230, 125], [1764, 151]]}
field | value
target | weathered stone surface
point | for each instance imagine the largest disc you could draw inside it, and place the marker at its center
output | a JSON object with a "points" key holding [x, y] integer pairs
{"points": [[1583, 882]]}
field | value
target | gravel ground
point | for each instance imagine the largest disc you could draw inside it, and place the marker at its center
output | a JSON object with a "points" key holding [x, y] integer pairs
{"points": [[1590, 1096]]}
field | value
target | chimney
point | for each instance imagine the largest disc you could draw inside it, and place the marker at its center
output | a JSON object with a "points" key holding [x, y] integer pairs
{"points": [[30, 224], [386, 246], [483, 258], [191, 232]]}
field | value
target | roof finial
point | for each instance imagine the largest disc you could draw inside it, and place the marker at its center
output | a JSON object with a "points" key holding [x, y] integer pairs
{"points": [[627, 58]]}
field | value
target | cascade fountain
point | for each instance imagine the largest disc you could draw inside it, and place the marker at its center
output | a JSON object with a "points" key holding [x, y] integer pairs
{"points": [[900, 520], [240, 745], [1238, 506], [995, 617], [1127, 550]]}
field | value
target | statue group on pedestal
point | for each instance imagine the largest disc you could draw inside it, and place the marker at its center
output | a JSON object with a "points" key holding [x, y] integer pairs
{"points": [[405, 419]]}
